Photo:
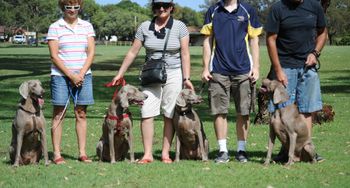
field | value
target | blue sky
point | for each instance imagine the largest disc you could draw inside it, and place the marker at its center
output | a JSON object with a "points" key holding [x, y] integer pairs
{"points": [[194, 4]]}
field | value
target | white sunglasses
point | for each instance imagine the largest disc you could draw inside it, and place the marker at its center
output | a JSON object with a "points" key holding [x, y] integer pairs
{"points": [[69, 7]]}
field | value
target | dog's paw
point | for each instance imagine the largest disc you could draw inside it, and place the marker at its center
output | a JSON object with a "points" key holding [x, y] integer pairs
{"points": [[47, 163]]}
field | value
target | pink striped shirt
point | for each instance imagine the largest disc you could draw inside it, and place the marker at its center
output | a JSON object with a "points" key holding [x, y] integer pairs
{"points": [[73, 43]]}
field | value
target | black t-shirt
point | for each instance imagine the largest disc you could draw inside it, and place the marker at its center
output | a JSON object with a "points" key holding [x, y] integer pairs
{"points": [[295, 26]]}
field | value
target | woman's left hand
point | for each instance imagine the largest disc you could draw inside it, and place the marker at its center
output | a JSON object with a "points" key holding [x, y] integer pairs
{"points": [[188, 84]]}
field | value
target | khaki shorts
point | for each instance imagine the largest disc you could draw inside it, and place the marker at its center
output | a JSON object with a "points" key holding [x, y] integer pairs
{"points": [[221, 88], [162, 95]]}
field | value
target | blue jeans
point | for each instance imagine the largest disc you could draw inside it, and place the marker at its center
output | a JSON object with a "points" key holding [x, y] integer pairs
{"points": [[304, 88]]}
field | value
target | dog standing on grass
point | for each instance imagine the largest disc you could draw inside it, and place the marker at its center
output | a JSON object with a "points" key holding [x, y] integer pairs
{"points": [[191, 142], [117, 136], [288, 125], [28, 128]]}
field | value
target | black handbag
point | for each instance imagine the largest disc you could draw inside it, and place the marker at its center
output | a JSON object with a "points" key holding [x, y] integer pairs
{"points": [[154, 70]]}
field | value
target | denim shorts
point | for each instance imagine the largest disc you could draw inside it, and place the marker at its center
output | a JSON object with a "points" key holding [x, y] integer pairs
{"points": [[61, 91], [304, 88], [222, 88]]}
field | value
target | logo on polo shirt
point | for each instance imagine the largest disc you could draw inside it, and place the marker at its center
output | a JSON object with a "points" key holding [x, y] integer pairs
{"points": [[240, 18], [310, 16]]}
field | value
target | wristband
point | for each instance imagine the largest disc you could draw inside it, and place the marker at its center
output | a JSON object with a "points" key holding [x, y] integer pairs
{"points": [[316, 53], [186, 79]]}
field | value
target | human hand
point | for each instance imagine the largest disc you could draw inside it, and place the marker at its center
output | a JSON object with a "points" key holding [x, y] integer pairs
{"points": [[117, 79], [254, 75], [281, 77], [188, 84], [311, 60], [206, 76], [76, 80]]}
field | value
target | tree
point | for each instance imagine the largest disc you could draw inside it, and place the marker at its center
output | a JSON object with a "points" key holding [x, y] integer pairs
{"points": [[117, 20], [189, 16], [207, 4], [8, 17], [35, 15], [338, 16]]}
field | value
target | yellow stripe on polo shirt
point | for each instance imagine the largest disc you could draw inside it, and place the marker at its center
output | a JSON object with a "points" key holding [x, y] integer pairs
{"points": [[207, 29], [254, 32]]}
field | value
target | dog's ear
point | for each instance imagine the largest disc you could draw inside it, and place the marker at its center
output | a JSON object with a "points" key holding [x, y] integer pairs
{"points": [[123, 97], [24, 90], [180, 101], [280, 94]]}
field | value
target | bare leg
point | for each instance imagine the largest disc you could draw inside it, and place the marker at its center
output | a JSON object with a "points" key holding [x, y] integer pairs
{"points": [[220, 125], [168, 134], [242, 127], [147, 132], [81, 128], [56, 130]]}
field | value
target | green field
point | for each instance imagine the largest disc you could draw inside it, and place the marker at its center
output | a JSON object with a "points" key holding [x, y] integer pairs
{"points": [[331, 139]]}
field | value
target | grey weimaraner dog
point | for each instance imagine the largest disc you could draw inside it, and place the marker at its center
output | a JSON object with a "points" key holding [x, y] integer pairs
{"points": [[288, 125], [29, 123], [117, 126], [191, 142]]}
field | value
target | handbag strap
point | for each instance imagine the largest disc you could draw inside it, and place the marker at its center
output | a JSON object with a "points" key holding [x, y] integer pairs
{"points": [[166, 43]]}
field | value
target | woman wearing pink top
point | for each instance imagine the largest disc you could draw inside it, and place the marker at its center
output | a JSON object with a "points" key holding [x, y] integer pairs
{"points": [[72, 48]]}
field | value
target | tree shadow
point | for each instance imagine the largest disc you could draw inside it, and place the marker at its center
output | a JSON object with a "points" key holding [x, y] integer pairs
{"points": [[36, 65]]}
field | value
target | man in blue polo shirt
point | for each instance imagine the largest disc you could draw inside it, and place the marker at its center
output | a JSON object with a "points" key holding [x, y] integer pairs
{"points": [[231, 66], [296, 34]]}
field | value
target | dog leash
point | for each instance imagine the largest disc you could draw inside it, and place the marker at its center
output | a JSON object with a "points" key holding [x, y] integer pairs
{"points": [[120, 82], [74, 94], [202, 88], [317, 67]]}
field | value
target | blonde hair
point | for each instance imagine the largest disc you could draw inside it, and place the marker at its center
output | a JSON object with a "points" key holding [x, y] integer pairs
{"points": [[62, 3]]}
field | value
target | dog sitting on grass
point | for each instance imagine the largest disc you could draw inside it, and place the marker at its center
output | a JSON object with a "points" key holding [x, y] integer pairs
{"points": [[191, 142], [117, 136], [28, 128]]}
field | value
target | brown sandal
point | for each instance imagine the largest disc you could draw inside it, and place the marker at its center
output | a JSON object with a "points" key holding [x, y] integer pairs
{"points": [[144, 161], [59, 161], [84, 159], [167, 160]]}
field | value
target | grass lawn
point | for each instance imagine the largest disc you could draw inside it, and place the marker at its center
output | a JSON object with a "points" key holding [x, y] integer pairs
{"points": [[331, 139]]}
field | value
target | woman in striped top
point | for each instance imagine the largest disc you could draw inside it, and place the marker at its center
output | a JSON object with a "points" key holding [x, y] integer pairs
{"points": [[72, 48], [151, 35]]}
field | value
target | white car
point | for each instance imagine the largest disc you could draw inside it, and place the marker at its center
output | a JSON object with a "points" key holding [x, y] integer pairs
{"points": [[19, 39], [113, 39]]}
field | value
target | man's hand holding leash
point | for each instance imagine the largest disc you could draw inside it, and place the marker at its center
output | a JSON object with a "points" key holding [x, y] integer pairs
{"points": [[254, 75], [206, 76]]}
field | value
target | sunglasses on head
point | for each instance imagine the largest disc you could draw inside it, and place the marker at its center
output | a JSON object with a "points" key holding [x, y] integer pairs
{"points": [[164, 5], [70, 7]]}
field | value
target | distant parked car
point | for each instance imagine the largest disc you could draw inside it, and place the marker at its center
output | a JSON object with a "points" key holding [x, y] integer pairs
{"points": [[19, 39], [31, 41], [113, 39]]}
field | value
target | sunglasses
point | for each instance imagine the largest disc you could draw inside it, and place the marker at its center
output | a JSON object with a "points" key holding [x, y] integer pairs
{"points": [[160, 5], [69, 7]]}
